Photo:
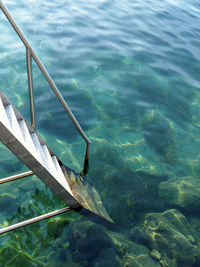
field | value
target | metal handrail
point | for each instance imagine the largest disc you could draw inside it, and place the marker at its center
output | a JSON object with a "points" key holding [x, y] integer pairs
{"points": [[34, 220], [29, 55], [16, 177]]}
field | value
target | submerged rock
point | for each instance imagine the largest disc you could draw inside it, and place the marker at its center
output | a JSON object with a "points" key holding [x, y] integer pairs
{"points": [[131, 253], [94, 245], [139, 256], [182, 192], [87, 240], [107, 257], [170, 234], [140, 261]]}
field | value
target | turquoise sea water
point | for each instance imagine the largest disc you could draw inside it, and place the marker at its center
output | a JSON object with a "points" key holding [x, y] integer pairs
{"points": [[130, 72]]}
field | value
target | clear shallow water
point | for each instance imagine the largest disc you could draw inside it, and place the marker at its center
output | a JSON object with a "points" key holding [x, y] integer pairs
{"points": [[130, 73]]}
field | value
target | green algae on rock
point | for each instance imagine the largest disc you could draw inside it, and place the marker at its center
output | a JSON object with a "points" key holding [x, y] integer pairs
{"points": [[155, 254], [12, 256], [182, 192]]}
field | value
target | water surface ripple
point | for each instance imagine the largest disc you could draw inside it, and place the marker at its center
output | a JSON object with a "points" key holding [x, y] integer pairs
{"points": [[130, 72]]}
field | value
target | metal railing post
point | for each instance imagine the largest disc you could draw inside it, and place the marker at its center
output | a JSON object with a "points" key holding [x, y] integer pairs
{"points": [[86, 160], [30, 86]]}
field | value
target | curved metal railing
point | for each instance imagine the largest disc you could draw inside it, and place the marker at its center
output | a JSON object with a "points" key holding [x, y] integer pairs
{"points": [[29, 55]]}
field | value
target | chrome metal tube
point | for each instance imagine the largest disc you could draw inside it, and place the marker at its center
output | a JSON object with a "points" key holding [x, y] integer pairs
{"points": [[43, 70], [15, 177], [30, 86], [33, 220]]}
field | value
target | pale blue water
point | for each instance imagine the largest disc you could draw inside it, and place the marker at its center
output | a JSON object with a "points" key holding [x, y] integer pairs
{"points": [[130, 72]]}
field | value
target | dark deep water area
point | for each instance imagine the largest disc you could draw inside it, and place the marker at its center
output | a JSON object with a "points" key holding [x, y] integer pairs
{"points": [[130, 72]]}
